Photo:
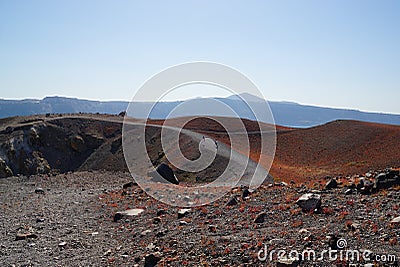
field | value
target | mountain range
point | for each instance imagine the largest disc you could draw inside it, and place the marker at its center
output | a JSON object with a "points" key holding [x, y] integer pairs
{"points": [[285, 113]]}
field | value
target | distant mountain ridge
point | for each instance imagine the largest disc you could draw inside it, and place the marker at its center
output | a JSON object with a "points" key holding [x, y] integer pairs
{"points": [[285, 113]]}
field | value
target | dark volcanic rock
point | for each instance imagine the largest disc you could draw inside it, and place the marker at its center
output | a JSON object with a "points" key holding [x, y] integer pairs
{"points": [[232, 201], [5, 171], [23, 236], [182, 212], [77, 143], [367, 188], [246, 193], [331, 184], [386, 180], [260, 218], [309, 202], [129, 184], [167, 173], [151, 260], [39, 191]]}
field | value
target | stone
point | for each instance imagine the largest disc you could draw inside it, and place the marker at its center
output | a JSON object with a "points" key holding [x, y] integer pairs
{"points": [[348, 191], [366, 189], [386, 180], [132, 212], [287, 262], [309, 202], [331, 184], [161, 212], [212, 228], [156, 220], [5, 171], [246, 193], [77, 143], [151, 260], [360, 184], [381, 176], [165, 172], [395, 221], [332, 241], [393, 173], [129, 184], [107, 253], [353, 226], [284, 184], [232, 201], [23, 236], [145, 232], [260, 218], [183, 212], [39, 190]]}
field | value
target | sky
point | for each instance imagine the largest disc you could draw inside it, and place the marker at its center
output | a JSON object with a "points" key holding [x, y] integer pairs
{"points": [[326, 53]]}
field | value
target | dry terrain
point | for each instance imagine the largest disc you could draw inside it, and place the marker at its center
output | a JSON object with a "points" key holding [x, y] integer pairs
{"points": [[67, 188]]}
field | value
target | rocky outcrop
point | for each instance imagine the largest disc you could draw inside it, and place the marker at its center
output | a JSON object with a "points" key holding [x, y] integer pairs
{"points": [[5, 171]]}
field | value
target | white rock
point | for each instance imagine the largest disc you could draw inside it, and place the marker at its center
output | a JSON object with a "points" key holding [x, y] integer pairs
{"points": [[395, 220]]}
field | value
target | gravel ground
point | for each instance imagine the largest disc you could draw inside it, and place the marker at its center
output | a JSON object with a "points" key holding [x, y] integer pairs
{"points": [[68, 220]]}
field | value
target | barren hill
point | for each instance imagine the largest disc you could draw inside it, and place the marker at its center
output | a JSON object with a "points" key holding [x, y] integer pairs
{"points": [[40, 144]]}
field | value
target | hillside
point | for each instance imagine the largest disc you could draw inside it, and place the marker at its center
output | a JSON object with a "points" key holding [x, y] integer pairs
{"points": [[40, 144]]}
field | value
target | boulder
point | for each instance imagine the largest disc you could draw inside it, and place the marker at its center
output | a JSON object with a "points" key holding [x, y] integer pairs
{"points": [[182, 212], [129, 184], [360, 184], [283, 262], [77, 143], [393, 173], [132, 212], [167, 173], [5, 171], [39, 190], [246, 192], [331, 184], [309, 202], [395, 221], [381, 176], [23, 236], [260, 218], [348, 191], [367, 188], [386, 180], [151, 260], [232, 202]]}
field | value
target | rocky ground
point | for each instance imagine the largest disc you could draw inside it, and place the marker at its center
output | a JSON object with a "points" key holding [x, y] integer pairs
{"points": [[72, 219]]}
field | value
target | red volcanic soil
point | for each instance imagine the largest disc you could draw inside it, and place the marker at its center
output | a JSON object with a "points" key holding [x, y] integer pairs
{"points": [[337, 148]]}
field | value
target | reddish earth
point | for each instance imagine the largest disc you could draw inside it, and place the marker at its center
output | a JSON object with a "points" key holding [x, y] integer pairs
{"points": [[336, 148], [333, 149]]}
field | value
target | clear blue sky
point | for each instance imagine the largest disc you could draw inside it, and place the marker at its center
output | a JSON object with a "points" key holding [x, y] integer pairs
{"points": [[326, 53]]}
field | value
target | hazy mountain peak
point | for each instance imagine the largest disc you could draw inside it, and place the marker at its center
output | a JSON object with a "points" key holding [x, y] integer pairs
{"points": [[247, 97]]}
